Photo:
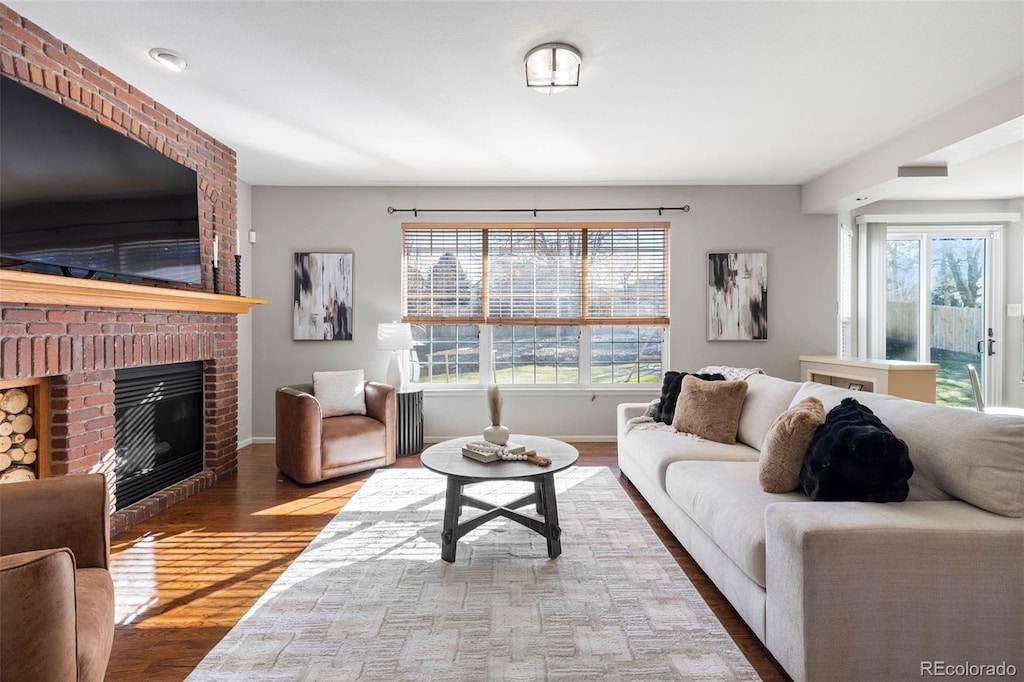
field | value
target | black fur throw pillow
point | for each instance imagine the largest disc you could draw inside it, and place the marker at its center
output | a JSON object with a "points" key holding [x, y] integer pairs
{"points": [[670, 387], [855, 457]]}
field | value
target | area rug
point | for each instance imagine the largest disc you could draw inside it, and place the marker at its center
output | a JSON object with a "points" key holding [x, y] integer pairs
{"points": [[371, 599]]}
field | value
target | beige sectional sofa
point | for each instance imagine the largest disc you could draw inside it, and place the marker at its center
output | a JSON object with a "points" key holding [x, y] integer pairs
{"points": [[854, 590]]}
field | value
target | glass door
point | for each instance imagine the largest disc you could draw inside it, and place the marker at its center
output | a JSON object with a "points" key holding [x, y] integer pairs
{"points": [[938, 307]]}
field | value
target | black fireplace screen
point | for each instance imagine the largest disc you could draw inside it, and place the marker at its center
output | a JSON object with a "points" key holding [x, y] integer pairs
{"points": [[158, 428]]}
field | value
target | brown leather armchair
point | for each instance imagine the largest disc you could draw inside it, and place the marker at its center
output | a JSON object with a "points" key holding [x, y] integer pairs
{"points": [[56, 591], [312, 448]]}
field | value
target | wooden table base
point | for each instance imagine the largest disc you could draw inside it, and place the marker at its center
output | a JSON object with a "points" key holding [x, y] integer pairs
{"points": [[543, 496]]}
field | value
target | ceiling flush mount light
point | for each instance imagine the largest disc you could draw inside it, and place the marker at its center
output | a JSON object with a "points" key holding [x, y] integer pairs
{"points": [[553, 67], [175, 61]]}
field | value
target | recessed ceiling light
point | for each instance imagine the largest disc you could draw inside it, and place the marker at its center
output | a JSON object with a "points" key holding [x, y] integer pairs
{"points": [[175, 61]]}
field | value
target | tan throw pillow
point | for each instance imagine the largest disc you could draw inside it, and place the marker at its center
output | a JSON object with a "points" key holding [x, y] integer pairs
{"points": [[785, 445], [340, 393], [710, 409]]}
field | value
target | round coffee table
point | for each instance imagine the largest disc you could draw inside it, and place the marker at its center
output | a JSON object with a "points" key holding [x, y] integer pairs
{"points": [[446, 458]]}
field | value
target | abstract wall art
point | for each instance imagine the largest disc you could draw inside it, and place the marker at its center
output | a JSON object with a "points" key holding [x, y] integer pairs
{"points": [[322, 303], [737, 296]]}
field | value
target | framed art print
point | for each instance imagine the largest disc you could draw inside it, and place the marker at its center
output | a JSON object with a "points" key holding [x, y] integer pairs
{"points": [[322, 303], [737, 298]]}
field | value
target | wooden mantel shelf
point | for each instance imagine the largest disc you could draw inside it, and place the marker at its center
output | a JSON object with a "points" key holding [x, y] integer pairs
{"points": [[30, 287]]}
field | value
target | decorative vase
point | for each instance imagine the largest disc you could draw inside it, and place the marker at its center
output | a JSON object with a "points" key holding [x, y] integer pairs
{"points": [[496, 433]]}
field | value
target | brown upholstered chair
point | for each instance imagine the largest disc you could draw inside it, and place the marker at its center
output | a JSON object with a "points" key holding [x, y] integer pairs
{"points": [[312, 448], [56, 591]]}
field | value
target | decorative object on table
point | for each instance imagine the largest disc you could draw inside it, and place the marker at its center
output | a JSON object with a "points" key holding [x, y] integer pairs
{"points": [[483, 451], [737, 302], [495, 433], [238, 274], [397, 338], [322, 300]]}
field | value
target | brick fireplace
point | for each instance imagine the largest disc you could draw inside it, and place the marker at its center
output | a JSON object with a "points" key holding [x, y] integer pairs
{"points": [[70, 336]]}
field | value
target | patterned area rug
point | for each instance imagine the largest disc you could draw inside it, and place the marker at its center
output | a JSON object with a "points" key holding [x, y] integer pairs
{"points": [[371, 599]]}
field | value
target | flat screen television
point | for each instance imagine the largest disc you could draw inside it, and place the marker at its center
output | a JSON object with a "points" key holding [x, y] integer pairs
{"points": [[80, 199]]}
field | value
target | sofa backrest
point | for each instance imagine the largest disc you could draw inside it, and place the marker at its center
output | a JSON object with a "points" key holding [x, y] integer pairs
{"points": [[767, 398], [975, 457]]}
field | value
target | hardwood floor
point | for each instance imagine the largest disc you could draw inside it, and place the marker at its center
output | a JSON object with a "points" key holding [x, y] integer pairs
{"points": [[186, 576]]}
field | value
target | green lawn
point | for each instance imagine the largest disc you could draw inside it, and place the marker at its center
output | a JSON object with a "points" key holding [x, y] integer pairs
{"points": [[952, 383]]}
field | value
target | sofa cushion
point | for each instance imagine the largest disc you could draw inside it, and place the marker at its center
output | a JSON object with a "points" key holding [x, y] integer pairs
{"points": [[854, 457], [726, 501], [340, 393], [710, 409], [785, 445], [652, 451], [767, 398], [351, 439], [976, 457], [670, 387]]}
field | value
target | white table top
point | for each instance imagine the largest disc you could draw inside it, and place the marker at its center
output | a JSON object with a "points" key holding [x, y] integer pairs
{"points": [[446, 458]]}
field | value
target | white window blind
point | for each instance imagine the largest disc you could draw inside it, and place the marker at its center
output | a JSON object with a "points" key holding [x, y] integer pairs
{"points": [[442, 275], [546, 274]]}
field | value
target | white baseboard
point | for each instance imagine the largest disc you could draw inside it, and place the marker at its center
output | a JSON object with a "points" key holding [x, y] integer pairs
{"points": [[262, 440]]}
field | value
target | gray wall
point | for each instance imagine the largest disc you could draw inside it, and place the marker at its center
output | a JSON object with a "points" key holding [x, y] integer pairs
{"points": [[801, 262], [1013, 330], [245, 321]]}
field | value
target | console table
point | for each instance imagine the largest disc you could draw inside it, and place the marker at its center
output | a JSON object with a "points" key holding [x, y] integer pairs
{"points": [[913, 380]]}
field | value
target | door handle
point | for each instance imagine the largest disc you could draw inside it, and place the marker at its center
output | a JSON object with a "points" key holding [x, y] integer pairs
{"points": [[991, 346], [979, 346]]}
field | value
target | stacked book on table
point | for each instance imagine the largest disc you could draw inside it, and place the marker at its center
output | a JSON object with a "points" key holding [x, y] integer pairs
{"points": [[482, 451]]}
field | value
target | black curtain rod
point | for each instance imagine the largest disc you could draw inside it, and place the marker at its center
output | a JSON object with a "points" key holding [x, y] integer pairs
{"points": [[534, 211]]}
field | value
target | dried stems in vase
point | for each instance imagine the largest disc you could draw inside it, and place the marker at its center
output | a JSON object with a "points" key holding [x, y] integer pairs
{"points": [[494, 404]]}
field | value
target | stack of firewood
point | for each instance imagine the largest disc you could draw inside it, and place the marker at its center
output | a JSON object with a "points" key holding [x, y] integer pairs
{"points": [[18, 444]]}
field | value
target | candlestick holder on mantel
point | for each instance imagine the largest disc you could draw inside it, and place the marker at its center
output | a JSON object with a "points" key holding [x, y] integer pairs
{"points": [[216, 279], [238, 274]]}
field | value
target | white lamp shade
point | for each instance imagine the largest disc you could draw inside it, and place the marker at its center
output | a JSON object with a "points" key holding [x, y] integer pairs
{"points": [[394, 336]]}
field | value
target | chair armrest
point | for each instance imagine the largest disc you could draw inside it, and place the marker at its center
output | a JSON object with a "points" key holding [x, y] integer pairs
{"points": [[64, 511], [382, 405], [298, 432], [38, 626], [871, 591]]}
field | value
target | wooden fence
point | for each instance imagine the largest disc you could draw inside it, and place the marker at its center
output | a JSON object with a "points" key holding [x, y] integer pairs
{"points": [[953, 329]]}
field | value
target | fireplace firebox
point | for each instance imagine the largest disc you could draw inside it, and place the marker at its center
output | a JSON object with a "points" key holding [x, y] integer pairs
{"points": [[158, 415]]}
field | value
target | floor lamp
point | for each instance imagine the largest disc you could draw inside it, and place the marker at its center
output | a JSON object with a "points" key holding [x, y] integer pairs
{"points": [[397, 338]]}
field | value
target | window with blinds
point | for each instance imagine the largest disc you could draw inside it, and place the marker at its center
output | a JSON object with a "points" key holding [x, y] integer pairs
{"points": [[537, 303], [589, 275]]}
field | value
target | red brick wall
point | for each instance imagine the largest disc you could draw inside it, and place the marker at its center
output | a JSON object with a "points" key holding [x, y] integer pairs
{"points": [[79, 348]]}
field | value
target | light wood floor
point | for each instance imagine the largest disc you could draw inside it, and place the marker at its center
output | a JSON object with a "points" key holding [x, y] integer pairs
{"points": [[186, 576]]}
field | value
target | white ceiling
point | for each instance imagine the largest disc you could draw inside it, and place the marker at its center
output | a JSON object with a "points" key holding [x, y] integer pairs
{"points": [[433, 93]]}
